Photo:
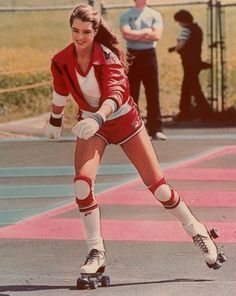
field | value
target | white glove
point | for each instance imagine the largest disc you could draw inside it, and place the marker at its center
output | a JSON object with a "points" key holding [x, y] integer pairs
{"points": [[54, 132], [54, 127], [86, 128]]}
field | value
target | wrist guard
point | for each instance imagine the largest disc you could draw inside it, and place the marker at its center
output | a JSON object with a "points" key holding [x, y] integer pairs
{"points": [[57, 120], [98, 118]]}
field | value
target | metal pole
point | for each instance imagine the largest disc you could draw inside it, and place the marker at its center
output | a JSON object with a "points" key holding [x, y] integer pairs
{"points": [[91, 2], [217, 72], [222, 62], [211, 45], [103, 9]]}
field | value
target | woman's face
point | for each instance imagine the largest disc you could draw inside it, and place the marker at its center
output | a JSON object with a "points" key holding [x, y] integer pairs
{"points": [[82, 34]]}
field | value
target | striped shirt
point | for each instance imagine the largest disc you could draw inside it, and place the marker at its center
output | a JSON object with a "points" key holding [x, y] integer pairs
{"points": [[184, 34]]}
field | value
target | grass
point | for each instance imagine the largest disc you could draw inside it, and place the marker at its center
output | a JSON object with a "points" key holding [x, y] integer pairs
{"points": [[30, 39], [33, 3]]}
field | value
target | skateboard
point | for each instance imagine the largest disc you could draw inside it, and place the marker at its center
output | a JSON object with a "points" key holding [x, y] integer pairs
{"points": [[92, 280]]}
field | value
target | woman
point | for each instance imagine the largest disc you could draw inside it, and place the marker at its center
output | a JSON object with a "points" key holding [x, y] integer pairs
{"points": [[93, 70]]}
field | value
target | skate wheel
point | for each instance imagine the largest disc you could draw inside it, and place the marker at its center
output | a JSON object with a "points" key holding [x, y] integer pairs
{"points": [[105, 281], [81, 283], [214, 232], [221, 257], [93, 284], [217, 265]]}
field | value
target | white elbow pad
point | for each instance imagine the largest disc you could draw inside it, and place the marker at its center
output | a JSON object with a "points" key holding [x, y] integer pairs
{"points": [[58, 99]]}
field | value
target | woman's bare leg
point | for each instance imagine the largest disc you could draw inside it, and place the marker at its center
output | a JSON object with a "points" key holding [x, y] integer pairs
{"points": [[140, 151], [88, 154]]}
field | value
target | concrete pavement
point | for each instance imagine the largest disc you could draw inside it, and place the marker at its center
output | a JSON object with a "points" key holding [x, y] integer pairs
{"points": [[42, 241]]}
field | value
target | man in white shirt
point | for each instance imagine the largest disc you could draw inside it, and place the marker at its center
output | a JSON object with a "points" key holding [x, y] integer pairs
{"points": [[142, 27]]}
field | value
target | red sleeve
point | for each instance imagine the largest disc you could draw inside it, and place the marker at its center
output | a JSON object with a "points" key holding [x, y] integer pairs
{"points": [[115, 84], [58, 81]]}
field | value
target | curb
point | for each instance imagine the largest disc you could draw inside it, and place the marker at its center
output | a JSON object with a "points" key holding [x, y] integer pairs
{"points": [[29, 126]]}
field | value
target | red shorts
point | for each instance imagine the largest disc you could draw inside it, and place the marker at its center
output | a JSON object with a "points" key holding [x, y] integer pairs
{"points": [[119, 130]]}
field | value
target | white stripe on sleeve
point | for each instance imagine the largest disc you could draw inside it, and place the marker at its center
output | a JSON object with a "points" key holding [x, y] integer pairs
{"points": [[58, 99], [184, 34]]}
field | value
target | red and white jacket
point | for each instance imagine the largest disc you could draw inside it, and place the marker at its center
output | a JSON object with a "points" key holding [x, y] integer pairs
{"points": [[110, 75]]}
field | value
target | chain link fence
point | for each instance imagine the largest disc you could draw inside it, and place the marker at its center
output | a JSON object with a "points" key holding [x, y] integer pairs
{"points": [[31, 34], [218, 85]]}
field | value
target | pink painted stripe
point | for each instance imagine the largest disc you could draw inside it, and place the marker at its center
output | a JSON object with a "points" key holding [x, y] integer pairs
{"points": [[201, 174], [128, 230], [216, 153], [192, 198], [45, 226]]}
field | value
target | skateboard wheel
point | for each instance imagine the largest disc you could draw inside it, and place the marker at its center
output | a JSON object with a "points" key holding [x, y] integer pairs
{"points": [[93, 284], [214, 232], [105, 281]]}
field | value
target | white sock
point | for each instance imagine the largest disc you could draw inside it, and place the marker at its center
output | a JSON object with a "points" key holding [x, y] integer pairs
{"points": [[91, 221], [183, 214]]}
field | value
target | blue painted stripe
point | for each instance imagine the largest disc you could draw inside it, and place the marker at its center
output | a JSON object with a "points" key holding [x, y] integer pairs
{"points": [[211, 136], [37, 139], [8, 217], [15, 216], [63, 171], [66, 191], [12, 216], [48, 191]]}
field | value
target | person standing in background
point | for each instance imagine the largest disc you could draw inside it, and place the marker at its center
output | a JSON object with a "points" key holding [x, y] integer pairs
{"points": [[189, 46], [142, 27]]}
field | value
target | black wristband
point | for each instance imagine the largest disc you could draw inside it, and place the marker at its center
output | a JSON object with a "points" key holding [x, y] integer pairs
{"points": [[55, 121], [98, 118]]}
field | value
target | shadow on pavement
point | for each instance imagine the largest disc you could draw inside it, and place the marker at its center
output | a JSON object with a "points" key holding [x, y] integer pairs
{"points": [[162, 282], [25, 288]]}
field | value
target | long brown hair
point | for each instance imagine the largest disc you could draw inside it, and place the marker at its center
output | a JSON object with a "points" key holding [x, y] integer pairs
{"points": [[105, 36]]}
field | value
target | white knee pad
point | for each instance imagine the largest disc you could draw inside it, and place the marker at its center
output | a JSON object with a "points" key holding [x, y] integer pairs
{"points": [[84, 193], [82, 189], [165, 194]]}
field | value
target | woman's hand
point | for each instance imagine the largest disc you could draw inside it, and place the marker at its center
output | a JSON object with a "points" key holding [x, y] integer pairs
{"points": [[54, 128], [86, 128], [54, 132]]}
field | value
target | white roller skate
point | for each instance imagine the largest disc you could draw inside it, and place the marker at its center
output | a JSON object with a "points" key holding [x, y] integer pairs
{"points": [[92, 271], [204, 241]]}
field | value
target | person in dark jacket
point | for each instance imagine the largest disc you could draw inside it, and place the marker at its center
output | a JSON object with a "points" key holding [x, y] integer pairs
{"points": [[189, 46]]}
